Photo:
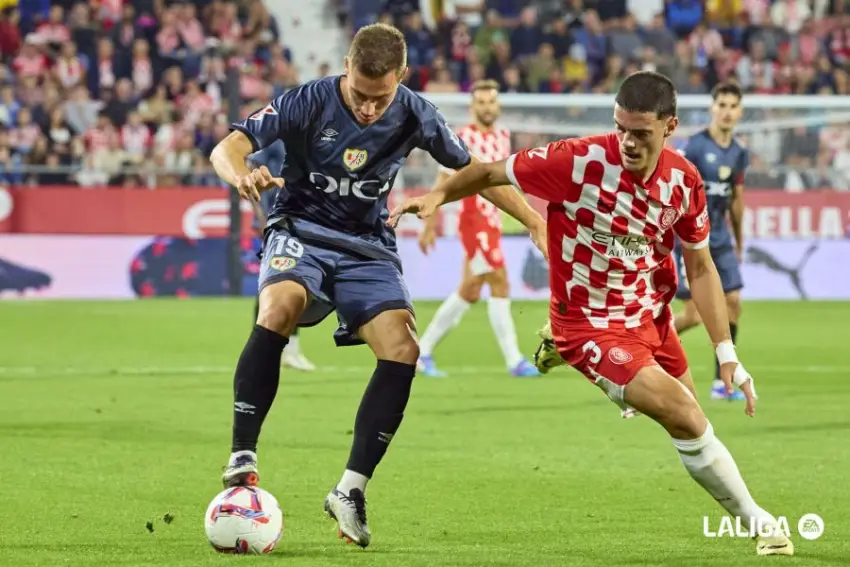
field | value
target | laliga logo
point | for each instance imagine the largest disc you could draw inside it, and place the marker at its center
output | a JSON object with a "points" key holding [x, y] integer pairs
{"points": [[809, 527], [209, 215]]}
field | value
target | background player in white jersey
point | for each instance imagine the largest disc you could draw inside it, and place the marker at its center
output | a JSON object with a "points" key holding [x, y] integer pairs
{"points": [[616, 204], [480, 231], [722, 161]]}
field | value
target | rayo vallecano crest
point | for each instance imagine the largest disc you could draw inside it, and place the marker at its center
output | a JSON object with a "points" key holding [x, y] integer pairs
{"points": [[354, 159]]}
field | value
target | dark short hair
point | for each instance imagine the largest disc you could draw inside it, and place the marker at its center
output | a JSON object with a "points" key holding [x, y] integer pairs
{"points": [[484, 85], [648, 91], [378, 49], [727, 88]]}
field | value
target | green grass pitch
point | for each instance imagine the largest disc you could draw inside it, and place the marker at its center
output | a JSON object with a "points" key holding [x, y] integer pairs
{"points": [[117, 413]]}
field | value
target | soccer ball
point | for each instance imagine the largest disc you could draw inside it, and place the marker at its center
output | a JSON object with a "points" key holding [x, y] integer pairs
{"points": [[244, 520]]}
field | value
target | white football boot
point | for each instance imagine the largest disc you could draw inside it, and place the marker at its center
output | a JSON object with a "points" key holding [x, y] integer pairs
{"points": [[241, 470], [350, 515]]}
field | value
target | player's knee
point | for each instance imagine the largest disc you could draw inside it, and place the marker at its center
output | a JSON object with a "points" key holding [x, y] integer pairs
{"points": [[406, 351], [668, 402], [686, 421], [392, 336], [499, 285], [281, 306], [470, 292]]}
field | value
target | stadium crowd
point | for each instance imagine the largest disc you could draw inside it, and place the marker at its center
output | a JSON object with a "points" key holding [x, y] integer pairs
{"points": [[559, 46], [111, 86], [135, 94]]}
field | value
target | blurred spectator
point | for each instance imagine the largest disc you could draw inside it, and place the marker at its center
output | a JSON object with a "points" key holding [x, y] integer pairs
{"points": [[491, 32], [527, 37], [683, 15], [623, 39], [645, 11], [790, 14], [10, 32], [592, 37], [420, 42]]}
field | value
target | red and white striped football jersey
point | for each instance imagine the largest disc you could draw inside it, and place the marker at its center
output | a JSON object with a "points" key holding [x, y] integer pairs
{"points": [[609, 232], [488, 146]]}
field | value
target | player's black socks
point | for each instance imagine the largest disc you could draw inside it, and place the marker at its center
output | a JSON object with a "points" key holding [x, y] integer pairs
{"points": [[380, 414], [733, 332], [255, 385]]}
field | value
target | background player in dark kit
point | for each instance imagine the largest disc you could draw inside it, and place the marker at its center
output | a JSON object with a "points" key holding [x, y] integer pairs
{"points": [[272, 157], [328, 247], [722, 161]]}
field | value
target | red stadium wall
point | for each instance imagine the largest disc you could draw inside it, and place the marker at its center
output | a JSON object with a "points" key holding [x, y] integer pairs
{"points": [[200, 212]]}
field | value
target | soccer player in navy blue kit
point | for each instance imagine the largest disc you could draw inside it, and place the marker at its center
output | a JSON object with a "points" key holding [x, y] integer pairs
{"points": [[722, 162], [327, 245]]}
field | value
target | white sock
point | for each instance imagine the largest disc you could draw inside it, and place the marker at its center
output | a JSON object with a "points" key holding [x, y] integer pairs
{"points": [[237, 454], [712, 466], [351, 479], [448, 315], [502, 322], [293, 346]]}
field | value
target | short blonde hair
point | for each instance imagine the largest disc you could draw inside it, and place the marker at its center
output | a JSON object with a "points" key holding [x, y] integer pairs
{"points": [[378, 49]]}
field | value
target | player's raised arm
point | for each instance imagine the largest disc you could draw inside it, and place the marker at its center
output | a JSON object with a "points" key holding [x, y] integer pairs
{"points": [[258, 131], [707, 292]]}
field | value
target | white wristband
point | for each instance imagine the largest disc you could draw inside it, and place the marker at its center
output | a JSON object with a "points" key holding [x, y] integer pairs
{"points": [[726, 352]]}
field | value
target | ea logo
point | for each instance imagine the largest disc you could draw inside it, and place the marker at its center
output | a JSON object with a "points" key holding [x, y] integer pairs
{"points": [[619, 356], [810, 526]]}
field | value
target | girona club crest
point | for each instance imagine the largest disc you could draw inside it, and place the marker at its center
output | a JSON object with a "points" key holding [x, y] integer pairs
{"points": [[668, 217], [619, 356]]}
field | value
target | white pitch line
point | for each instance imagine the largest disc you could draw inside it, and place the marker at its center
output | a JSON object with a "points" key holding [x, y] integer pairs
{"points": [[461, 370]]}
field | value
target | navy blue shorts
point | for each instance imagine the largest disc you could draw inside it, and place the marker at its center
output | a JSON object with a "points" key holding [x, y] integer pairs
{"points": [[727, 266], [358, 288]]}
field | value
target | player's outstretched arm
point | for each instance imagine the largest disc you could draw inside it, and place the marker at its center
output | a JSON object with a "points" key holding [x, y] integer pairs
{"points": [[469, 181], [229, 157], [707, 293]]}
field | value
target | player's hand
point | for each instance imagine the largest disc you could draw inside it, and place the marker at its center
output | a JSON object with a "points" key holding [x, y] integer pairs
{"points": [[739, 252], [423, 207], [250, 186], [735, 373], [427, 238], [540, 238]]}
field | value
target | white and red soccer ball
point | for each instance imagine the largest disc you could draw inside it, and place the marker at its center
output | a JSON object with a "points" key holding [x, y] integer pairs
{"points": [[244, 520]]}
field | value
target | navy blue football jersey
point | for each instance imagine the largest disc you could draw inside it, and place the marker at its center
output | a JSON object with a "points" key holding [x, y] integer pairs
{"points": [[339, 172], [721, 169]]}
